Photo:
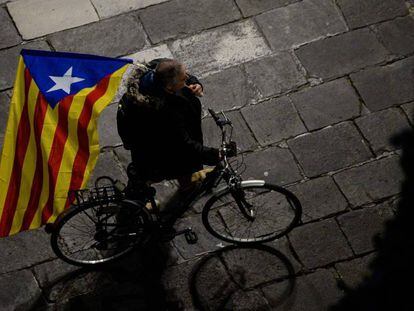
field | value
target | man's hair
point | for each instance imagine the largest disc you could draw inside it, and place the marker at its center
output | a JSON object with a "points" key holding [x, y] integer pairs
{"points": [[167, 71]]}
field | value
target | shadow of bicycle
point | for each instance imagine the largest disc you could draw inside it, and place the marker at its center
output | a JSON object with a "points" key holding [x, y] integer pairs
{"points": [[133, 283], [240, 278], [231, 278]]}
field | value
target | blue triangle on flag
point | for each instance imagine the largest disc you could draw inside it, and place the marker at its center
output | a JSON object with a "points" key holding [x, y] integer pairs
{"points": [[60, 74]]}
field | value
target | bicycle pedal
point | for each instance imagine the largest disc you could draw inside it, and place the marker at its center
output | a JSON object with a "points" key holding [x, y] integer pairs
{"points": [[191, 237], [119, 185]]}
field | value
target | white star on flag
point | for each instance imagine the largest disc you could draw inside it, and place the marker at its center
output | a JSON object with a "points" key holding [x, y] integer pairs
{"points": [[64, 83]]}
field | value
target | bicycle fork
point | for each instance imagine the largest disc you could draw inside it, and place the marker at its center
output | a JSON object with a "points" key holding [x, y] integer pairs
{"points": [[245, 207]]}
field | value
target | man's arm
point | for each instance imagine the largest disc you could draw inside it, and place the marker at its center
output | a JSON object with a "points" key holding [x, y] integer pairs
{"points": [[207, 155]]}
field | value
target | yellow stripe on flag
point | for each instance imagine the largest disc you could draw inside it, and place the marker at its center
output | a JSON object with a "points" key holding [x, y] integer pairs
{"points": [[93, 134], [69, 153], [48, 132], [9, 144], [71, 147], [29, 164]]}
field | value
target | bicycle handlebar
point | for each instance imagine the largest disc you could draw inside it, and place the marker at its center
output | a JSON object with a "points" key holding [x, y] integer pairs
{"points": [[228, 146], [213, 114], [220, 122]]}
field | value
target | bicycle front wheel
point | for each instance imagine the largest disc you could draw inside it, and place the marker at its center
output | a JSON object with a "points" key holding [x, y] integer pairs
{"points": [[95, 233], [269, 212]]}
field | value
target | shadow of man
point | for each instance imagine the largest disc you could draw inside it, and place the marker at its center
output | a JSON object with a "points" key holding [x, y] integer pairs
{"points": [[389, 285]]}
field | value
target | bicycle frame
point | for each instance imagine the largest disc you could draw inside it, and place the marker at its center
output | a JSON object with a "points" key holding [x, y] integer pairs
{"points": [[222, 171]]}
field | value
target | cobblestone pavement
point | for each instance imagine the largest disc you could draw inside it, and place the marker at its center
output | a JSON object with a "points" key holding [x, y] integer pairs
{"points": [[316, 89]]}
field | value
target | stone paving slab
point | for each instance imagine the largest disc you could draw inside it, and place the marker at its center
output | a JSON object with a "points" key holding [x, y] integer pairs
{"points": [[383, 87], [112, 37], [275, 74], [145, 56], [251, 300], [254, 7], [183, 17], [361, 13], [409, 110], [206, 242], [122, 285], [372, 181], [327, 103], [273, 120], [222, 47], [353, 272], [274, 165], [398, 35], [320, 243], [24, 250], [107, 166], [252, 267], [227, 89], [329, 149], [4, 115], [18, 291], [51, 277], [214, 284], [108, 8], [379, 127], [165, 190], [299, 23], [76, 286], [342, 54], [123, 155], [373, 221], [107, 129], [319, 197], [241, 133], [175, 281], [283, 246], [30, 16], [8, 33], [9, 59], [312, 292], [199, 205]]}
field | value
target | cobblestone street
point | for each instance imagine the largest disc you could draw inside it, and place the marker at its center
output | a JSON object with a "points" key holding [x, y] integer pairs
{"points": [[316, 89]]}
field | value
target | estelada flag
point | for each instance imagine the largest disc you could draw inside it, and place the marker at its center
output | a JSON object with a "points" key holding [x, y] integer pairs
{"points": [[51, 140]]}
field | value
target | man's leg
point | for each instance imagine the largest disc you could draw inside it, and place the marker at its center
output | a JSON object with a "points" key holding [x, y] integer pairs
{"points": [[175, 207]]}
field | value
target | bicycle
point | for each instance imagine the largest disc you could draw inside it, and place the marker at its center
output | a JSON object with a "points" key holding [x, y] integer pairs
{"points": [[103, 225]]}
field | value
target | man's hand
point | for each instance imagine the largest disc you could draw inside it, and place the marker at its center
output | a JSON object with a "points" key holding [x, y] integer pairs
{"points": [[196, 89]]}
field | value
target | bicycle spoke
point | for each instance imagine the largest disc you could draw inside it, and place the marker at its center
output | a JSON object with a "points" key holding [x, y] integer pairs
{"points": [[273, 211], [89, 236]]}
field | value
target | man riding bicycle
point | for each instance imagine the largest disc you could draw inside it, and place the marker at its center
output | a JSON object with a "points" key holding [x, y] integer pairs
{"points": [[159, 121]]}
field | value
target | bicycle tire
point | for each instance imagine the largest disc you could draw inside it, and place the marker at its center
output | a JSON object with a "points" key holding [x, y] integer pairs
{"points": [[124, 237], [221, 213]]}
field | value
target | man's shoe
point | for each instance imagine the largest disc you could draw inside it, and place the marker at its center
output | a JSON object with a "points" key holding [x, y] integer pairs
{"points": [[167, 233]]}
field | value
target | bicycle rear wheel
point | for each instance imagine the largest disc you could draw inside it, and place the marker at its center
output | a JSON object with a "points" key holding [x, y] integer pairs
{"points": [[95, 233], [274, 212]]}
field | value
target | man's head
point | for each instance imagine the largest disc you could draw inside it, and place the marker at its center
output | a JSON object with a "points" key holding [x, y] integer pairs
{"points": [[171, 74]]}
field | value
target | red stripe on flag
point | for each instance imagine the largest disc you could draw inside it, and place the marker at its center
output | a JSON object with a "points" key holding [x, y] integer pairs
{"points": [[22, 141], [82, 156], [56, 153], [32, 206]]}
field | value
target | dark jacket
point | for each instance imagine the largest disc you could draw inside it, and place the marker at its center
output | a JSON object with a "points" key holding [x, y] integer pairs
{"points": [[165, 136]]}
